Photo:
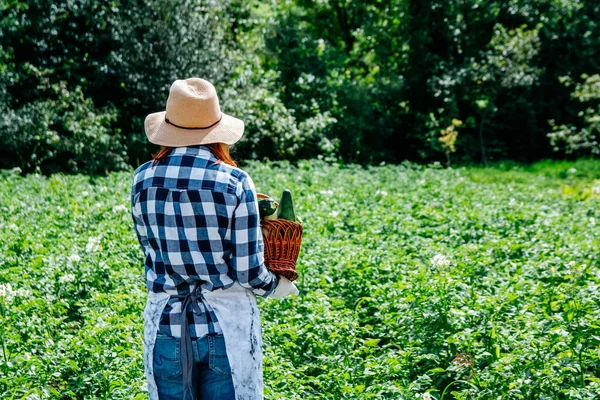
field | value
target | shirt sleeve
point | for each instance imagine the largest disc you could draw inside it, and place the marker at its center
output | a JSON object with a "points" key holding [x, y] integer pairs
{"points": [[247, 257], [138, 225]]}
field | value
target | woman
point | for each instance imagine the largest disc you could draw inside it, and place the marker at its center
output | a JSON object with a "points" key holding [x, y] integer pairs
{"points": [[196, 217]]}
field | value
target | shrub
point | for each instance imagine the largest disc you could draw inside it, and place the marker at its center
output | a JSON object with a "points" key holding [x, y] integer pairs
{"points": [[66, 133], [583, 138]]}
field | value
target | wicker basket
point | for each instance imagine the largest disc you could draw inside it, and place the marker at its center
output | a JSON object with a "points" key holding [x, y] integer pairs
{"points": [[282, 241]]}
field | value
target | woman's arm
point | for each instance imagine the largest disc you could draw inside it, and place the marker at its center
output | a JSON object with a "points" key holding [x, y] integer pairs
{"points": [[138, 225], [247, 258]]}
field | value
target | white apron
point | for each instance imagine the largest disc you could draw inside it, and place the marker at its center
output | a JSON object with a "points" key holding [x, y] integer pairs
{"points": [[239, 319]]}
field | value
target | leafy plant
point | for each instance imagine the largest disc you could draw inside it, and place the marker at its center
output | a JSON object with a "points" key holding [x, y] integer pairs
{"points": [[584, 140], [417, 281]]}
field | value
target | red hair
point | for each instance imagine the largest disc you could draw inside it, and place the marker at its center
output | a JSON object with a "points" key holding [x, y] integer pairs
{"points": [[219, 150]]}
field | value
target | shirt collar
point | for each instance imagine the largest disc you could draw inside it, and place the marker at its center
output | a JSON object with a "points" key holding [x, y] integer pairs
{"points": [[194, 150]]}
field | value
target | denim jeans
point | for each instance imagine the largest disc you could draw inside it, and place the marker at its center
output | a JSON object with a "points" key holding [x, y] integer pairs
{"points": [[211, 373]]}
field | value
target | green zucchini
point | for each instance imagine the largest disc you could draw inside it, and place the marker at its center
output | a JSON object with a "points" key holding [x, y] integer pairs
{"points": [[286, 207]]}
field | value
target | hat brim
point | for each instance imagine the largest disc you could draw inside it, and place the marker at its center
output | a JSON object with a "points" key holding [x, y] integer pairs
{"points": [[229, 130]]}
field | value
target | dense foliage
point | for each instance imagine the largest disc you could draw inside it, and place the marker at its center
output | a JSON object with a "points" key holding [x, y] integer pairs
{"points": [[363, 80], [461, 283], [79, 76], [394, 73]]}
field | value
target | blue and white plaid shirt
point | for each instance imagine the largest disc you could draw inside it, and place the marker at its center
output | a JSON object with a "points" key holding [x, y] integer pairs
{"points": [[198, 224]]}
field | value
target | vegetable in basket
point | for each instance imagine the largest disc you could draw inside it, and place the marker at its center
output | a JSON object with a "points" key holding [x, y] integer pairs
{"points": [[267, 208], [282, 234], [286, 209]]}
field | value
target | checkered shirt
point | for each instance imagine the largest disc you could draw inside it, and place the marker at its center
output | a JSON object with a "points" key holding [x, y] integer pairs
{"points": [[198, 224]]}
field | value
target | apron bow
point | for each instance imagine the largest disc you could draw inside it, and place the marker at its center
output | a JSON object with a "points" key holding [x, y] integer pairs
{"points": [[185, 343]]}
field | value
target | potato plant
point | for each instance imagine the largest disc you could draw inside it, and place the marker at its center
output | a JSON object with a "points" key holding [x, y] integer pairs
{"points": [[416, 282]]}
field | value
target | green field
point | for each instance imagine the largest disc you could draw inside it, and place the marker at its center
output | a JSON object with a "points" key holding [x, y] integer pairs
{"points": [[464, 283]]}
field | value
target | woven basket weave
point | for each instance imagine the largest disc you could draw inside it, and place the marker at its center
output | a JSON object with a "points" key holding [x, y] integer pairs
{"points": [[282, 241]]}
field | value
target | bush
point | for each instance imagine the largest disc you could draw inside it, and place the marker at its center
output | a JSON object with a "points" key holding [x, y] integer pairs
{"points": [[65, 133], [118, 61], [395, 73], [272, 130], [368, 82], [583, 139]]}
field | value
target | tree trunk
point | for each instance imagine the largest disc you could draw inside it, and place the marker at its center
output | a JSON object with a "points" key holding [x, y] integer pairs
{"points": [[482, 145]]}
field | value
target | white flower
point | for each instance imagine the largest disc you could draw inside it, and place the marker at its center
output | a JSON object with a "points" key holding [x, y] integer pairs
{"points": [[326, 191], [572, 170], [592, 221], [119, 208], [512, 202], [5, 288], [66, 278], [7, 292], [85, 193], [93, 244], [596, 189], [440, 260], [334, 213], [74, 258], [382, 192], [426, 396]]}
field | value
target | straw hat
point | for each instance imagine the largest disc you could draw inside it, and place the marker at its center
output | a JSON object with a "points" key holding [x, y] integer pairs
{"points": [[193, 116]]}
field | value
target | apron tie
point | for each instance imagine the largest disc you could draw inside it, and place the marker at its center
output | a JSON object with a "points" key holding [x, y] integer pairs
{"points": [[185, 343]]}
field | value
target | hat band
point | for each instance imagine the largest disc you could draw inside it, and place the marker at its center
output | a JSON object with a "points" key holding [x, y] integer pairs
{"points": [[185, 127]]}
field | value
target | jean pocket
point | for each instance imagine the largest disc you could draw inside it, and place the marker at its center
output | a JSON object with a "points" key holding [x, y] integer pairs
{"points": [[167, 360], [217, 355]]}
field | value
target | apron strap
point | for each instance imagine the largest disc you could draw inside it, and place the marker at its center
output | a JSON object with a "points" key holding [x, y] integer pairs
{"points": [[185, 343]]}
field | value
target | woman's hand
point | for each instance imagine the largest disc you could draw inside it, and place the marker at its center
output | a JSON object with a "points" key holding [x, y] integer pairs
{"points": [[284, 288]]}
